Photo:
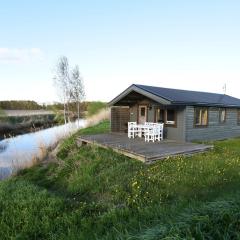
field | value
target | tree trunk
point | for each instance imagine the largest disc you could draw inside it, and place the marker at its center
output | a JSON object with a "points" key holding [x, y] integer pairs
{"points": [[64, 112], [68, 118], [78, 111]]}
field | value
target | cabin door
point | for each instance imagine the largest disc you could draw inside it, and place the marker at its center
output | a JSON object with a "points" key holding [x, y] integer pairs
{"points": [[142, 114]]}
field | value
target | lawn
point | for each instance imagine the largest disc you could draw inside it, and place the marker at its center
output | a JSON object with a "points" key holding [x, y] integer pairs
{"points": [[94, 193]]}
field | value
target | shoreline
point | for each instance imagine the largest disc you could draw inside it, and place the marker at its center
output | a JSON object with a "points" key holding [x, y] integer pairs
{"points": [[8, 130]]}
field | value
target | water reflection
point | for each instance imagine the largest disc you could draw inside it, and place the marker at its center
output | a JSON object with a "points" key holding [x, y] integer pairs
{"points": [[21, 149], [3, 146]]}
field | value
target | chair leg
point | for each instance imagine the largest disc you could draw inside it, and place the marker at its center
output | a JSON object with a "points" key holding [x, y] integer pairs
{"points": [[131, 134]]}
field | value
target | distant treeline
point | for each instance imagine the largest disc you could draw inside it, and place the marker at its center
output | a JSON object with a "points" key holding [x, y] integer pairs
{"points": [[72, 106], [20, 105], [90, 107]]}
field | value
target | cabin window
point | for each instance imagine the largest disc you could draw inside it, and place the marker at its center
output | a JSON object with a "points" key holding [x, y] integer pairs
{"points": [[159, 115], [238, 117], [170, 117], [222, 115], [201, 117], [166, 116]]}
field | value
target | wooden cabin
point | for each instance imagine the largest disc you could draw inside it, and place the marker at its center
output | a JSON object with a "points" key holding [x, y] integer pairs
{"points": [[187, 115]]}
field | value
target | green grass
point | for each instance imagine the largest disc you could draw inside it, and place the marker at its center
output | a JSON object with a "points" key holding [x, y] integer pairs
{"points": [[95, 107], [94, 193]]}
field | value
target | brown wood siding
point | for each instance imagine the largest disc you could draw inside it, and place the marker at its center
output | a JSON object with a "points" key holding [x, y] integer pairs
{"points": [[120, 116]]}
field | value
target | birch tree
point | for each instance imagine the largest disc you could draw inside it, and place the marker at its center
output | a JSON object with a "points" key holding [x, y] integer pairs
{"points": [[77, 88], [62, 83]]}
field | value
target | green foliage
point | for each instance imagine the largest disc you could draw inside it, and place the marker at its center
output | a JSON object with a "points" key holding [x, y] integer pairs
{"points": [[69, 144], [91, 107], [20, 105], [3, 116], [94, 193], [95, 107], [72, 106], [66, 147], [102, 127], [32, 118], [2, 113]]}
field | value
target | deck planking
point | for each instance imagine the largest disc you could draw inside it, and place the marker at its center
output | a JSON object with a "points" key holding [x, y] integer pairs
{"points": [[139, 149]]}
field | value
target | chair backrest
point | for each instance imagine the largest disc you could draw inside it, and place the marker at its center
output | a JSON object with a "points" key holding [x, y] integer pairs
{"points": [[161, 125], [131, 124], [158, 128], [151, 131]]}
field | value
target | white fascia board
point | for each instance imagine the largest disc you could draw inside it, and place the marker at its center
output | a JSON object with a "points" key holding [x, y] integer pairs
{"points": [[142, 92]]}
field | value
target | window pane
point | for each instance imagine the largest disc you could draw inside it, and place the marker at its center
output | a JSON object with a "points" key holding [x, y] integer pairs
{"points": [[222, 113], [201, 116], [170, 116], [160, 115], [204, 116], [198, 116], [143, 111]]}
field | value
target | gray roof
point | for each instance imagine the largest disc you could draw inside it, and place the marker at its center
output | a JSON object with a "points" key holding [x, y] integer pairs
{"points": [[184, 97], [177, 96]]}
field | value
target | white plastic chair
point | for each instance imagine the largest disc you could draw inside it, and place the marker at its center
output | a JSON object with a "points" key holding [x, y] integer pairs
{"points": [[149, 135], [158, 132], [132, 129]]}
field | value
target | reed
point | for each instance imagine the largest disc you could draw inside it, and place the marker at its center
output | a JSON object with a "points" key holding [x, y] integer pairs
{"points": [[103, 114], [29, 161]]}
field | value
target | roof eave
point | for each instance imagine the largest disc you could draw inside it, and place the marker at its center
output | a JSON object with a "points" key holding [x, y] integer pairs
{"points": [[141, 91], [205, 104]]}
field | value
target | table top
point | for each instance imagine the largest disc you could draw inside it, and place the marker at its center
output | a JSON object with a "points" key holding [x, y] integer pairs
{"points": [[144, 126]]}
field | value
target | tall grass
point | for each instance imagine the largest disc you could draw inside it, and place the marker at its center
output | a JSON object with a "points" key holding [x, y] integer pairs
{"points": [[94, 107], [19, 164], [103, 114]]}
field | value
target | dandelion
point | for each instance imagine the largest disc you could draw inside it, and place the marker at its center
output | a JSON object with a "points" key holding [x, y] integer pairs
{"points": [[135, 183]]}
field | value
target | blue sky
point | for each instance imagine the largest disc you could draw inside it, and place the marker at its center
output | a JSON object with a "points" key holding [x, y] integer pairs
{"points": [[179, 44]]}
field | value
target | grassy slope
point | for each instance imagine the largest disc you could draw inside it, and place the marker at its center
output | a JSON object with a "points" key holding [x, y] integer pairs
{"points": [[94, 107], [93, 193]]}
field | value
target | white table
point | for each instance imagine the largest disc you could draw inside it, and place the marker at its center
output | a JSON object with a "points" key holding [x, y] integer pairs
{"points": [[147, 131]]}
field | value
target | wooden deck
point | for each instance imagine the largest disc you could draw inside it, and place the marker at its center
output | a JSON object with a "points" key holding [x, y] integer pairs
{"points": [[137, 148]]}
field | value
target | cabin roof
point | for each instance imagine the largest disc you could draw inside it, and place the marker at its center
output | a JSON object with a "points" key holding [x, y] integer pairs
{"points": [[180, 97]]}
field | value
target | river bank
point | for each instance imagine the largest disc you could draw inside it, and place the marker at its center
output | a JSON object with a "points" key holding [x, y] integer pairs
{"points": [[17, 122], [27, 149], [24, 150], [12, 125]]}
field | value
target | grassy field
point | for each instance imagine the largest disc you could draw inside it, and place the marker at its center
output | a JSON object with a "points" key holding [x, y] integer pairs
{"points": [[93, 193], [94, 107]]}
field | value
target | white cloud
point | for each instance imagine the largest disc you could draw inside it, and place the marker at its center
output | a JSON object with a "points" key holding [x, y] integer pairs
{"points": [[20, 54]]}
